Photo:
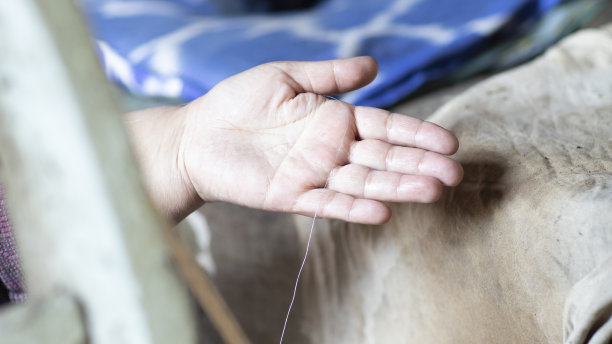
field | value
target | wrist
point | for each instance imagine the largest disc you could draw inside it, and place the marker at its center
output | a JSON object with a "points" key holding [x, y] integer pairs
{"points": [[157, 137]]}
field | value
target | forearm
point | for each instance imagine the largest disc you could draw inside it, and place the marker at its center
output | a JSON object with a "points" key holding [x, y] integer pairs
{"points": [[156, 137]]}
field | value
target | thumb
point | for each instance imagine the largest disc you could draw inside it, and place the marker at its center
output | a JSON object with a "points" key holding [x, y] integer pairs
{"points": [[331, 76]]}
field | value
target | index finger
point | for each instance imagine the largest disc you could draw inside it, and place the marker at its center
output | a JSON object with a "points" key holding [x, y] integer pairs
{"points": [[397, 129]]}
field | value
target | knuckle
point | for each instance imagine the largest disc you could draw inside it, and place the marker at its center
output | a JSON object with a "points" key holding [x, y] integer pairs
{"points": [[431, 190]]}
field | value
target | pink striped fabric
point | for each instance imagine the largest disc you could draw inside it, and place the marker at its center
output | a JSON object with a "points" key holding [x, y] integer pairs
{"points": [[10, 269]]}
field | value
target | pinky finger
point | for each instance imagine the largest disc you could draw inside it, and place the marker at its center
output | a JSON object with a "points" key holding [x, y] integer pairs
{"points": [[334, 205]]}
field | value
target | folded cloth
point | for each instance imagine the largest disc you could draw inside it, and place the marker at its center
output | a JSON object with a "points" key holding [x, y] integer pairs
{"points": [[587, 316], [533, 39], [182, 48]]}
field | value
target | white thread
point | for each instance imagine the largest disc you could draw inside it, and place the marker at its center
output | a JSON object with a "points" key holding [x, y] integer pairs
{"points": [[297, 280], [314, 219]]}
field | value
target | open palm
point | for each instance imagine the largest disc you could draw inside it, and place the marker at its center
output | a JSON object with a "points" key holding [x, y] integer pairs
{"points": [[269, 138]]}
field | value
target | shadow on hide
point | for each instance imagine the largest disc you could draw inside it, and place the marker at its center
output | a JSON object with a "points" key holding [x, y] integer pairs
{"points": [[481, 190]]}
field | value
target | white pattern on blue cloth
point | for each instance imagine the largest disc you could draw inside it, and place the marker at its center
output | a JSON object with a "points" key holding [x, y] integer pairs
{"points": [[183, 48]]}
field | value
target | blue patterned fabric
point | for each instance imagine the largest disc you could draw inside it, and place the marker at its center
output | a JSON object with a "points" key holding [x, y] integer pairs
{"points": [[182, 48]]}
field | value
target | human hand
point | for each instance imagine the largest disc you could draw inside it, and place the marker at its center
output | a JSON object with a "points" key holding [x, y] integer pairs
{"points": [[268, 138]]}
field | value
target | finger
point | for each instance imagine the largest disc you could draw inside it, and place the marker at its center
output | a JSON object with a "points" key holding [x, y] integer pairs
{"points": [[373, 123], [332, 76], [362, 182], [383, 156], [333, 205]]}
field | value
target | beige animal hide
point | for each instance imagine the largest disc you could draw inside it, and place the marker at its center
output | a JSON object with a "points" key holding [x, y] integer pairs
{"points": [[497, 258]]}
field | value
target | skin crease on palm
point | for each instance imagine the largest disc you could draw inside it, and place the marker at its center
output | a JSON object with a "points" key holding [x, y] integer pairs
{"points": [[268, 138]]}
